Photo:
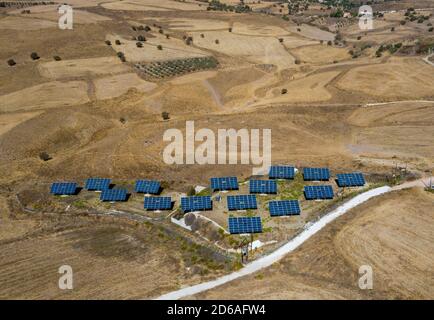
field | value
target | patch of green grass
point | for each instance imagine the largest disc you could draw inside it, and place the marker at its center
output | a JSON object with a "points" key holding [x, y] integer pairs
{"points": [[289, 190], [80, 204], [205, 192]]}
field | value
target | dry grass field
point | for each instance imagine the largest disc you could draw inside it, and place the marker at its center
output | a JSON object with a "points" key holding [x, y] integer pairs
{"points": [[391, 233], [350, 101]]}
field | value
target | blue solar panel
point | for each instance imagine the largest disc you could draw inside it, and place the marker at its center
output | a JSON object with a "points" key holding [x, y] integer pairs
{"points": [[284, 208], [350, 179], [224, 183], [281, 172], [147, 186], [158, 203], [63, 188], [99, 184], [114, 195], [239, 225], [242, 202], [318, 192], [196, 203], [316, 174], [263, 186]]}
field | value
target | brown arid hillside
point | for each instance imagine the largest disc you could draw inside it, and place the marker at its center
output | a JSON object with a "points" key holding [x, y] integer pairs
{"points": [[392, 233], [97, 99]]}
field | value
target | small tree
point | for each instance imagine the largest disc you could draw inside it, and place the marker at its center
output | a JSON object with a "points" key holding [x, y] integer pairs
{"points": [[217, 41], [329, 43], [165, 115], [108, 42], [297, 61], [34, 56], [160, 47], [139, 44], [118, 42], [141, 38], [44, 156], [57, 58], [284, 91], [11, 62]]}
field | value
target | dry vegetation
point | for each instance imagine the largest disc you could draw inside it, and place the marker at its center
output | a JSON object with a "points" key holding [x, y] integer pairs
{"points": [[87, 103]]}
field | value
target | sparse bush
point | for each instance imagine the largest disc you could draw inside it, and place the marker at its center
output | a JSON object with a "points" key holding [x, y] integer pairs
{"points": [[11, 62], [202, 35], [160, 47], [34, 56], [57, 58], [118, 42], [165, 115], [230, 29], [108, 42], [329, 43], [392, 29], [147, 29], [297, 61], [191, 191], [141, 38], [359, 37], [167, 36], [139, 44], [122, 120], [280, 40], [44, 156], [430, 29], [284, 91], [134, 28], [217, 41]]}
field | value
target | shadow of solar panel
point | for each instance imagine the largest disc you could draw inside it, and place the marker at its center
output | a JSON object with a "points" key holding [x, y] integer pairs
{"points": [[318, 192], [284, 208], [224, 183], [147, 186], [263, 186], [350, 179], [196, 203], [114, 195], [98, 184], [238, 225], [281, 172], [63, 188], [316, 174], [158, 203], [242, 202]]}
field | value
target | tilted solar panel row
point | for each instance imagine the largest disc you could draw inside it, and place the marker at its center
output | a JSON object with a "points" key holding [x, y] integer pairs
{"points": [[284, 208], [97, 184], [316, 174], [238, 225], [224, 183], [350, 179], [147, 186], [196, 203], [281, 172], [263, 186], [63, 188], [242, 202], [158, 203], [114, 195], [318, 192]]}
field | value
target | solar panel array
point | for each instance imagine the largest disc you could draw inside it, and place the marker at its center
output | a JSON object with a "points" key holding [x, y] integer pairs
{"points": [[147, 186], [284, 208], [263, 186], [195, 203], [316, 174], [224, 183], [114, 195], [318, 192], [158, 203], [98, 184], [350, 179], [281, 172], [63, 188], [242, 202], [239, 225]]}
